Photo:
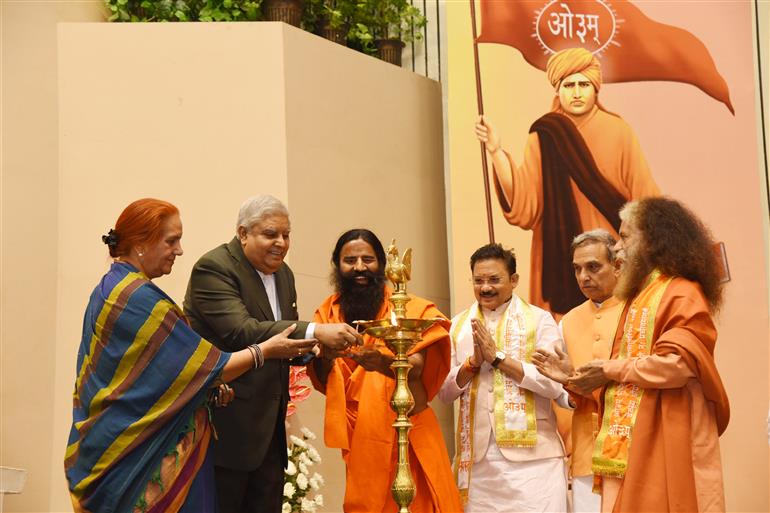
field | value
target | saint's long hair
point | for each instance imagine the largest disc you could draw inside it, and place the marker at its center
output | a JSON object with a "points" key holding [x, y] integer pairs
{"points": [[676, 242]]}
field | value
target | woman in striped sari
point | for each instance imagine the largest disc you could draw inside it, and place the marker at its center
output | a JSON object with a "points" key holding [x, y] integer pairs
{"points": [[140, 432]]}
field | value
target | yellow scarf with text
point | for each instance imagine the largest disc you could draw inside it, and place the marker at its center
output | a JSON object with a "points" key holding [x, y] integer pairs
{"points": [[621, 400], [514, 407]]}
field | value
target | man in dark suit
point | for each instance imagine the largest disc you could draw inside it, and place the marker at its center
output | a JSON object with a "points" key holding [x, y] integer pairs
{"points": [[240, 293]]}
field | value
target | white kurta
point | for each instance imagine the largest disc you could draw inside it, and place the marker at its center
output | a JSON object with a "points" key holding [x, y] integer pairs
{"points": [[513, 478]]}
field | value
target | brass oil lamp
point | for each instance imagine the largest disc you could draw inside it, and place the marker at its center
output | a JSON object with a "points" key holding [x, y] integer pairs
{"points": [[400, 336]]}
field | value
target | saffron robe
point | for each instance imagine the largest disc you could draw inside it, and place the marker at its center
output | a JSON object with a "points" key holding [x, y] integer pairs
{"points": [[674, 461], [140, 430], [618, 156], [359, 421]]}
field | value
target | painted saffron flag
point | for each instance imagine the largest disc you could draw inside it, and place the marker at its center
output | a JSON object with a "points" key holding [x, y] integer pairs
{"points": [[631, 46]]}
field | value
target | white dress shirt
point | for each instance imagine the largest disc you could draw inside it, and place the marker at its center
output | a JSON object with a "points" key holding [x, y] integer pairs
{"points": [[268, 280]]}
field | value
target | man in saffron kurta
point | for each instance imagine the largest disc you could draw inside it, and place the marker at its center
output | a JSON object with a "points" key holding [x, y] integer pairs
{"points": [[358, 388], [580, 164], [588, 331], [664, 405]]}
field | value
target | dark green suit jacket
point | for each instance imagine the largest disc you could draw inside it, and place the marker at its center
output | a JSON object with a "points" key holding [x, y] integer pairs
{"points": [[227, 304]]}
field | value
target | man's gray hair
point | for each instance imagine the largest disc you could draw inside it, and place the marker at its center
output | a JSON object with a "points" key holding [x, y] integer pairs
{"points": [[629, 211], [598, 236], [257, 208]]}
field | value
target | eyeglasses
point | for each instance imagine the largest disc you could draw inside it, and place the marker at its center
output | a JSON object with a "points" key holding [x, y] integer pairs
{"points": [[493, 280]]}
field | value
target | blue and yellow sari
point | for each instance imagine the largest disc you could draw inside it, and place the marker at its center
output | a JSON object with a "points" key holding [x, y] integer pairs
{"points": [[140, 431]]}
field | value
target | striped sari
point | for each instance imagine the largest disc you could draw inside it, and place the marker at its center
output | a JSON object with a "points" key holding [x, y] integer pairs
{"points": [[140, 430]]}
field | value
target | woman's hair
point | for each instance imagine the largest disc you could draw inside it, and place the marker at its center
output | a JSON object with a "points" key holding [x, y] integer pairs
{"points": [[139, 223]]}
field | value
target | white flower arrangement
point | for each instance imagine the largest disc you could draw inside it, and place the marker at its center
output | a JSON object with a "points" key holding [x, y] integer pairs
{"points": [[298, 441], [300, 489], [314, 456], [315, 483], [307, 505], [309, 435], [302, 481]]}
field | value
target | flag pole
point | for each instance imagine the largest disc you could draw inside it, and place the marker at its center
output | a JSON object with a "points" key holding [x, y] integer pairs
{"points": [[480, 102]]}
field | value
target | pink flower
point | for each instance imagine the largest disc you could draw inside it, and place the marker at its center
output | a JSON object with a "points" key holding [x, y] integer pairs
{"points": [[297, 391]]}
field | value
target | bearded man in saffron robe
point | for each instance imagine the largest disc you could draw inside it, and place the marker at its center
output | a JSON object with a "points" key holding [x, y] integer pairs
{"points": [[358, 387], [663, 402], [581, 164]]}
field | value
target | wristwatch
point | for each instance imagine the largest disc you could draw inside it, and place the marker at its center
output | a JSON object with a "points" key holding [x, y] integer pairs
{"points": [[499, 357]]}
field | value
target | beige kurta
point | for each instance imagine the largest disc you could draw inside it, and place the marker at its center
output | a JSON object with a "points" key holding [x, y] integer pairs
{"points": [[588, 331], [618, 156]]}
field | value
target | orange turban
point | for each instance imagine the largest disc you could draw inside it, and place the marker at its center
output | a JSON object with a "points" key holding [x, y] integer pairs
{"points": [[574, 60]]}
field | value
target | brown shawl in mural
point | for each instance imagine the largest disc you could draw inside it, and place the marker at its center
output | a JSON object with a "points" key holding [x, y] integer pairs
{"points": [[565, 157]]}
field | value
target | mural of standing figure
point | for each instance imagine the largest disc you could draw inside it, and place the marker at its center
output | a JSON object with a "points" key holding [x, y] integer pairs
{"points": [[581, 164]]}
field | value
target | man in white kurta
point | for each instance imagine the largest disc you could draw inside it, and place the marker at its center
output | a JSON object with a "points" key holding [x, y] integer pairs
{"points": [[509, 456]]}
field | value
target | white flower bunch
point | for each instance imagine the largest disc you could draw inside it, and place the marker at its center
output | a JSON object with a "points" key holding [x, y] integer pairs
{"points": [[316, 482], [300, 488], [298, 441]]}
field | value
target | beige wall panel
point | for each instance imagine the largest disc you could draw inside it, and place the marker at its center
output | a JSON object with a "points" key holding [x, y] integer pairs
{"points": [[28, 266], [364, 150], [762, 17]]}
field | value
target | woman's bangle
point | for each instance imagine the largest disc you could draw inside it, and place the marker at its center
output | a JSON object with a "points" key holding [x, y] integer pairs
{"points": [[260, 356], [256, 353], [253, 354]]}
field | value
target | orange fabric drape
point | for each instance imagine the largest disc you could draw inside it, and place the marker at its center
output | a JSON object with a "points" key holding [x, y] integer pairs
{"points": [[359, 422], [675, 435]]}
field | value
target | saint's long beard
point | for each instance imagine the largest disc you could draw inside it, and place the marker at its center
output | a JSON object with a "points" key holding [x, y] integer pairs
{"points": [[360, 302], [632, 274]]}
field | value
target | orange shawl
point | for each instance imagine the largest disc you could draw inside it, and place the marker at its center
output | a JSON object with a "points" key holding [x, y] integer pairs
{"points": [[660, 475], [358, 421]]}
